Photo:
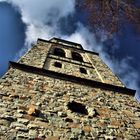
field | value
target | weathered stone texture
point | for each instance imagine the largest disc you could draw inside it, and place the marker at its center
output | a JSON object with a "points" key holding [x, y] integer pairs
{"points": [[107, 75], [36, 56], [72, 69], [64, 43], [110, 115], [39, 107]]}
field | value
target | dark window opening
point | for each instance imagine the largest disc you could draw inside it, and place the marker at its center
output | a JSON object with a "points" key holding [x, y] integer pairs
{"points": [[77, 107], [76, 56], [59, 52], [83, 70], [68, 120], [58, 65]]}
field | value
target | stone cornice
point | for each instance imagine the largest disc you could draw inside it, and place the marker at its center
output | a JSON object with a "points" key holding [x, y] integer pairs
{"points": [[71, 78], [79, 49]]}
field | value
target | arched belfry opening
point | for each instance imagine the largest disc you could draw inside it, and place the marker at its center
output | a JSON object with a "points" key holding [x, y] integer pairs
{"points": [[76, 56], [59, 52]]}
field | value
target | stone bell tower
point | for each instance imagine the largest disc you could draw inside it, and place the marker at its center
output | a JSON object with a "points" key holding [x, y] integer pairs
{"points": [[59, 91]]}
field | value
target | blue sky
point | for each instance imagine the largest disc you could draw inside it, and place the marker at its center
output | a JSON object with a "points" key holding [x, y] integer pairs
{"points": [[11, 35], [21, 23]]}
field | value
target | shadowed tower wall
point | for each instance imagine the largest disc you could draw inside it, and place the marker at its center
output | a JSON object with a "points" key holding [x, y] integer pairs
{"points": [[58, 90]]}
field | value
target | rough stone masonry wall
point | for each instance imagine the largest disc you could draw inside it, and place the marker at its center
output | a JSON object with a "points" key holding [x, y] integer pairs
{"points": [[107, 75], [72, 69], [64, 43], [34, 106], [36, 56]]}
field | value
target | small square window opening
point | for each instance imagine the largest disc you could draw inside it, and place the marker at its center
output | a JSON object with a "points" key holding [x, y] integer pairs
{"points": [[58, 64], [83, 70]]}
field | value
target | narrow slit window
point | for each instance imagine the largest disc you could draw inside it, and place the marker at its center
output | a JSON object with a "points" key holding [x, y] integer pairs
{"points": [[59, 52], [83, 70], [76, 56], [58, 64]]}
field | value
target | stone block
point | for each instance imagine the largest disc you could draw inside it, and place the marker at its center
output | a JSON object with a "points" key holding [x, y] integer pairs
{"points": [[128, 113], [23, 121], [33, 126], [137, 124], [74, 125], [87, 129], [52, 138], [4, 122], [33, 134], [38, 103]]}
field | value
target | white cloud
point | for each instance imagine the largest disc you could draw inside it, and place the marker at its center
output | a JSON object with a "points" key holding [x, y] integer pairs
{"points": [[41, 16], [83, 36]]}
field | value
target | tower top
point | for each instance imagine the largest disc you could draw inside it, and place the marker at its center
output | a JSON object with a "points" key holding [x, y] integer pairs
{"points": [[72, 62]]}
